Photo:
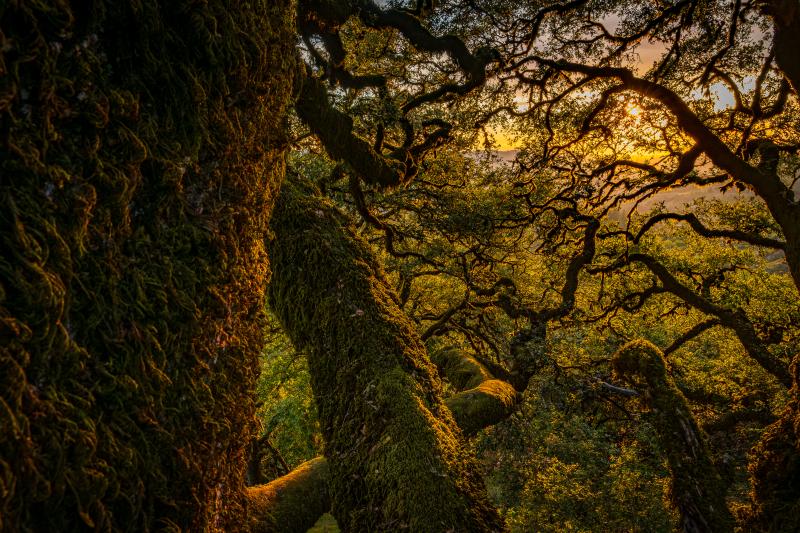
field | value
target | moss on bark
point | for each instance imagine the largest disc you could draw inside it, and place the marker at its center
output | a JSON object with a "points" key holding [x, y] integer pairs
{"points": [[482, 406], [291, 503], [696, 489], [396, 457], [141, 146], [482, 400], [485, 401]]}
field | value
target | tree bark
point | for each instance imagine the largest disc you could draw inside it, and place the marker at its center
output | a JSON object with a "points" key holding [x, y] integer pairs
{"points": [[786, 40], [482, 402], [141, 145], [396, 458]]}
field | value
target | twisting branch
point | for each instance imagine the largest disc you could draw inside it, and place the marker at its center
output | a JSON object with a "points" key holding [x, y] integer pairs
{"points": [[736, 320], [704, 231], [335, 130], [473, 65]]}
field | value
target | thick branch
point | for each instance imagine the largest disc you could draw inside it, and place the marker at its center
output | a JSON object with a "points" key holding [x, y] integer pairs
{"points": [[700, 229], [335, 130], [291, 503], [482, 399]]}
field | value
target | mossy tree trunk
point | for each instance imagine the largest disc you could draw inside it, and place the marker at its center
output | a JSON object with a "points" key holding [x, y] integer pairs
{"points": [[291, 503], [396, 457], [141, 145], [696, 488]]}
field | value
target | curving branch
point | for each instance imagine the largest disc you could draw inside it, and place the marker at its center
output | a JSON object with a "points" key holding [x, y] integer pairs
{"points": [[704, 231], [473, 65], [323, 18]]}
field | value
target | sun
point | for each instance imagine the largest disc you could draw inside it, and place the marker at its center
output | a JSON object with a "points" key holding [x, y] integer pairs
{"points": [[633, 110]]}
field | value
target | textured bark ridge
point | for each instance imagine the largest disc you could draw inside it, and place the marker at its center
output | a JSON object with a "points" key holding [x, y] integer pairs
{"points": [[395, 455], [775, 469], [696, 489], [141, 146]]}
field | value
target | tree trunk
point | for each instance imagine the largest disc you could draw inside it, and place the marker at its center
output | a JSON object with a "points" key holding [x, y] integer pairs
{"points": [[696, 489], [396, 458], [291, 503], [775, 459], [141, 145], [786, 40]]}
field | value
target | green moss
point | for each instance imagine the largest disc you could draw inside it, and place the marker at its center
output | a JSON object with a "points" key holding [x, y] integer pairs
{"points": [[291, 503], [140, 148], [696, 489], [463, 371], [397, 459], [482, 406], [482, 400]]}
